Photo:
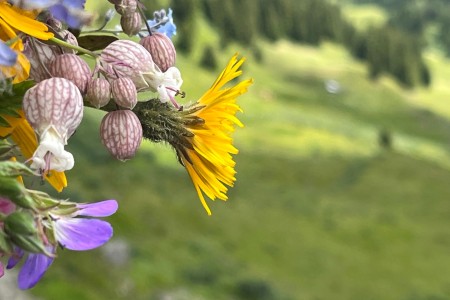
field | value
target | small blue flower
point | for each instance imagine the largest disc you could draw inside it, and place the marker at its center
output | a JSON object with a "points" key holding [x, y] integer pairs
{"points": [[163, 23], [8, 57]]}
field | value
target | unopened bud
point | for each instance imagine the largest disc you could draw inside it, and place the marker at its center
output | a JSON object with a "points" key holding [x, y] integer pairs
{"points": [[128, 59], [124, 92], [98, 92], [121, 133], [73, 68], [131, 23], [161, 49], [69, 38], [126, 7], [20, 222], [13, 190], [20, 227]]}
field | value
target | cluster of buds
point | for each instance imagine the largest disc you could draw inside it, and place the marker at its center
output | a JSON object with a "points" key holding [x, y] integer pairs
{"points": [[33, 225], [130, 16], [124, 68]]}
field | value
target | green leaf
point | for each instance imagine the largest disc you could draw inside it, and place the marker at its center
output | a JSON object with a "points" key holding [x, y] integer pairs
{"points": [[3, 122], [96, 42], [11, 101]]}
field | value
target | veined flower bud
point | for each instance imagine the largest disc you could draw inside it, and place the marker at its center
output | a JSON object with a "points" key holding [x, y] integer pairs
{"points": [[39, 55], [54, 108], [128, 59], [121, 133], [161, 48], [124, 92], [126, 7], [131, 23], [69, 38], [98, 92], [73, 68]]}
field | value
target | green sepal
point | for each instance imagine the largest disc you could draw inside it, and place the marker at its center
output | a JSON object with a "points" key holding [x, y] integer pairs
{"points": [[20, 223], [13, 169], [30, 243], [15, 192], [5, 243], [11, 101]]}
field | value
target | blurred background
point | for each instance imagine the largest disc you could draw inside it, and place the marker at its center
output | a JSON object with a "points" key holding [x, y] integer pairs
{"points": [[343, 171]]}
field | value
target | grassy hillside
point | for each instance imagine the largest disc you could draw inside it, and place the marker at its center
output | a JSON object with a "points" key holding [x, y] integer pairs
{"points": [[319, 211]]}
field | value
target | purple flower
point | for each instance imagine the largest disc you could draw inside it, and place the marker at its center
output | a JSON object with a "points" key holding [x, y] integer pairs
{"points": [[72, 231], [81, 234], [98, 209], [8, 57], [163, 23], [6, 206], [34, 267]]}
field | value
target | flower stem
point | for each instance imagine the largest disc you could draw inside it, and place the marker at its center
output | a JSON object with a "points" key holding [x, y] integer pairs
{"points": [[74, 47], [144, 18]]}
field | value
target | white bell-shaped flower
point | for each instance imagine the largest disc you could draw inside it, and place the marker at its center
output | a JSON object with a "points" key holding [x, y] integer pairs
{"points": [[54, 108]]}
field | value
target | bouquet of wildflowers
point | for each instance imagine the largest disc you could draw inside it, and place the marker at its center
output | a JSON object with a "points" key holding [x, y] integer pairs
{"points": [[45, 85]]}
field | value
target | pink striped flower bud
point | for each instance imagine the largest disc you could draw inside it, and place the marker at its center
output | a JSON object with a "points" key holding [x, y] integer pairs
{"points": [[124, 58], [131, 23], [54, 108], [72, 67], [40, 55], [121, 133], [161, 48], [98, 92], [126, 7], [69, 38], [124, 92]]}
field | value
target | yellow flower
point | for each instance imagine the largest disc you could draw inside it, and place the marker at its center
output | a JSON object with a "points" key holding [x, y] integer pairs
{"points": [[13, 19], [209, 161], [23, 135]]}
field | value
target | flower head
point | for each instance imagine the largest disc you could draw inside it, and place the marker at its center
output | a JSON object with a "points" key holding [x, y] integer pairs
{"points": [[209, 159]]}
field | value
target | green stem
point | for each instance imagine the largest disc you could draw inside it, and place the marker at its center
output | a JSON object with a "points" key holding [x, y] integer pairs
{"points": [[74, 47], [144, 18]]}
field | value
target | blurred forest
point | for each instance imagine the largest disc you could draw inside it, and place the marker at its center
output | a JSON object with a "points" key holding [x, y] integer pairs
{"points": [[394, 48], [343, 170]]}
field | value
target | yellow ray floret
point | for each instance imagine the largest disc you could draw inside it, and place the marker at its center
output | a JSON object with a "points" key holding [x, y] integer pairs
{"points": [[13, 20], [22, 21], [210, 163]]}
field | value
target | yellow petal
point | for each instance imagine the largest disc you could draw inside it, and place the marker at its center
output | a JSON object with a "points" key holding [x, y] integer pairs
{"points": [[23, 23], [57, 180]]}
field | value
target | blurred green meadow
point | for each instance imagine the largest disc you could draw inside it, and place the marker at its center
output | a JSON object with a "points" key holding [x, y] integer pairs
{"points": [[338, 196]]}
